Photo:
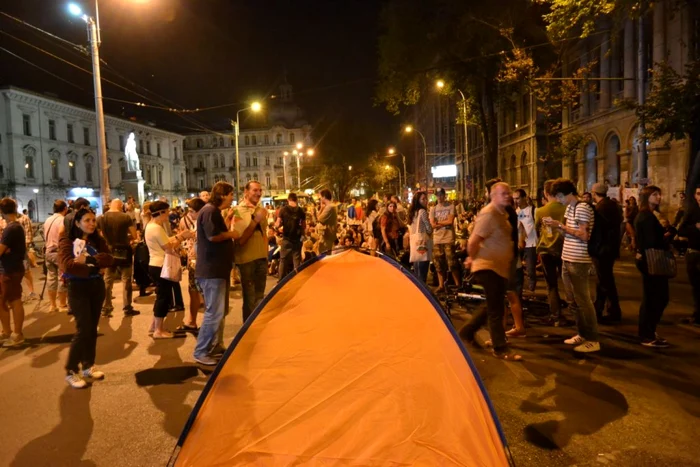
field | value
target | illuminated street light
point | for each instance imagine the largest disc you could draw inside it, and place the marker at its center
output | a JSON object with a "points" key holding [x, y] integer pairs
{"points": [[300, 145], [440, 84], [349, 167], [310, 152], [408, 129], [75, 10], [391, 151], [387, 167], [256, 107]]}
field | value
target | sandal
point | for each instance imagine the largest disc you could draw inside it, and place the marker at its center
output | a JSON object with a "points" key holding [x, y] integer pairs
{"points": [[508, 356]]}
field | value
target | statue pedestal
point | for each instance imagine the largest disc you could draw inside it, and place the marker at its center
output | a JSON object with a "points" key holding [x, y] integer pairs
{"points": [[133, 186]]}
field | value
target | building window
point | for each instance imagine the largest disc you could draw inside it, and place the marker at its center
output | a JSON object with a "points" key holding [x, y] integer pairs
{"points": [[121, 142], [267, 180], [200, 144], [201, 184], [158, 150], [148, 148], [279, 161], [216, 162], [214, 144], [160, 177], [223, 161], [247, 177], [54, 169], [86, 136], [233, 143], [88, 169], [29, 167], [72, 173], [122, 169], [267, 139], [201, 164], [267, 161], [247, 160], [279, 138], [221, 141], [141, 146], [247, 140], [52, 130], [255, 177], [292, 137], [27, 124], [255, 140], [69, 132], [255, 159], [149, 175], [182, 179]]}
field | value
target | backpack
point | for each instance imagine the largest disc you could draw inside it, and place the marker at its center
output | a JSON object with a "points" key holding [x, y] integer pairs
{"points": [[292, 219], [596, 240], [351, 212]]}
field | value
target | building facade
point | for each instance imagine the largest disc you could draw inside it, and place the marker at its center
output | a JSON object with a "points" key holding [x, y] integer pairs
{"points": [[48, 151], [611, 148], [211, 157]]}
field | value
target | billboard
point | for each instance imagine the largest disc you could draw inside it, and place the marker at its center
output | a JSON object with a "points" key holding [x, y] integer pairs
{"points": [[444, 171]]}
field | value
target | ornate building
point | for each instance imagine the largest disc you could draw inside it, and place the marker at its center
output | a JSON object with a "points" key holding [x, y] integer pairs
{"points": [[211, 157], [48, 151], [610, 151]]}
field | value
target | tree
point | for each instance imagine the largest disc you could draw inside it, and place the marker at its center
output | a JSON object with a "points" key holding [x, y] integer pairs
{"points": [[465, 43]]}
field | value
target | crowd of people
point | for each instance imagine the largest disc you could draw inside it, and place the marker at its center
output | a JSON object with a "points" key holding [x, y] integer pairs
{"points": [[498, 242]]}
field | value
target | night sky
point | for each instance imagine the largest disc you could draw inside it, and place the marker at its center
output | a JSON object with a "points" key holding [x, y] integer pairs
{"points": [[199, 53]]}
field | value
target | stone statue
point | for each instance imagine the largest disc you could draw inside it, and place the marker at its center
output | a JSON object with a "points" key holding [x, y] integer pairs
{"points": [[132, 159]]}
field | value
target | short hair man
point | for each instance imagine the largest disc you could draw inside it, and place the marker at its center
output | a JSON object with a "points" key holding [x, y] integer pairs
{"points": [[12, 252], [576, 263], [204, 196], [610, 215], [549, 247], [329, 219], [250, 226], [490, 255], [55, 287], [120, 233], [292, 219]]}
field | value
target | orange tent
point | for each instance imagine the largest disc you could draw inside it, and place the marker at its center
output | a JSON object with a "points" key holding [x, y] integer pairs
{"points": [[348, 361]]}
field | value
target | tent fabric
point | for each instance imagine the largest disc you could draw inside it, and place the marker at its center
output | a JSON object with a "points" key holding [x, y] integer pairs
{"points": [[347, 362]]}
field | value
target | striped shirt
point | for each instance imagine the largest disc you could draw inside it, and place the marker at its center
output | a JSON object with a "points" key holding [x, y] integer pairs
{"points": [[576, 250]]}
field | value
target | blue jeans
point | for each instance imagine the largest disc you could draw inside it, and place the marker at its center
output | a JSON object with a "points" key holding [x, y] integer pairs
{"points": [[575, 277], [214, 291], [420, 269]]}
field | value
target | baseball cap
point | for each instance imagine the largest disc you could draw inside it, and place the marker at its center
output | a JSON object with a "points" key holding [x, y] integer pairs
{"points": [[440, 191], [599, 188]]}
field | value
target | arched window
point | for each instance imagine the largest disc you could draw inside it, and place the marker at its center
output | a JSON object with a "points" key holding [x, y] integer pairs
{"points": [[247, 140], [72, 167], [223, 161], [216, 162], [255, 159], [591, 152], [278, 138], [524, 171], [29, 155], [267, 180], [513, 173], [247, 177], [214, 143], [612, 160], [267, 161], [54, 157], [255, 177], [247, 160], [88, 168]]}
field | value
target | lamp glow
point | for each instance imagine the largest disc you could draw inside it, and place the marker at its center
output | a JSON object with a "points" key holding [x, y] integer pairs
{"points": [[310, 152], [300, 145], [440, 84], [256, 106], [286, 153], [35, 190], [75, 10], [391, 151], [408, 129]]}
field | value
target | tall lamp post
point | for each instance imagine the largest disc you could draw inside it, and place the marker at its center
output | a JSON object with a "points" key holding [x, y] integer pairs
{"points": [[391, 153], [299, 152], [255, 107], [36, 198], [411, 129], [441, 84], [389, 167], [94, 35]]}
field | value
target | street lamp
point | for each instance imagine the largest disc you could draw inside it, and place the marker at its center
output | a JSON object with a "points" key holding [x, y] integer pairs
{"points": [[94, 35], [389, 167], [410, 129], [255, 107], [441, 84], [392, 153]]}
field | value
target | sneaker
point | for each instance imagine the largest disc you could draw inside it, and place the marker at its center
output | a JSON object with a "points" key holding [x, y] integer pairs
{"points": [[587, 346], [576, 340], [217, 351], [93, 373], [206, 360], [516, 333], [75, 380], [656, 344], [14, 340], [131, 312]]}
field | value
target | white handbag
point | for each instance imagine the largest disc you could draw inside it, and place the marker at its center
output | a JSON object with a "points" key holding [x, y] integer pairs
{"points": [[172, 269], [421, 243]]}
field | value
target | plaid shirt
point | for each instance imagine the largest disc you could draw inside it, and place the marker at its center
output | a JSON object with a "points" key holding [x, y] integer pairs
{"points": [[26, 224]]}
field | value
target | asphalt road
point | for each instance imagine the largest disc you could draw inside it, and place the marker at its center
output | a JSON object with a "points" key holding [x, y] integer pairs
{"points": [[628, 405]]}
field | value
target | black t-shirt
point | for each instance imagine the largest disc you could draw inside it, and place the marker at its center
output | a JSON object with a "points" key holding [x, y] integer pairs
{"points": [[68, 221], [115, 227], [292, 218], [214, 259], [13, 238]]}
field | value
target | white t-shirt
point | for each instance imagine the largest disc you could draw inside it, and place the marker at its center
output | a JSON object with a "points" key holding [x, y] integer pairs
{"points": [[440, 213], [526, 218], [576, 250], [156, 239]]}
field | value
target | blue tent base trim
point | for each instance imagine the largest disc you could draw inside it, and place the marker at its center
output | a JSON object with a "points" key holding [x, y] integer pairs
{"points": [[421, 286]]}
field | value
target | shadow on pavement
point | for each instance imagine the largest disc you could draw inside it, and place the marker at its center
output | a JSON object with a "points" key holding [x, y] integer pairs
{"points": [[65, 445], [586, 405], [169, 383], [118, 344]]}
